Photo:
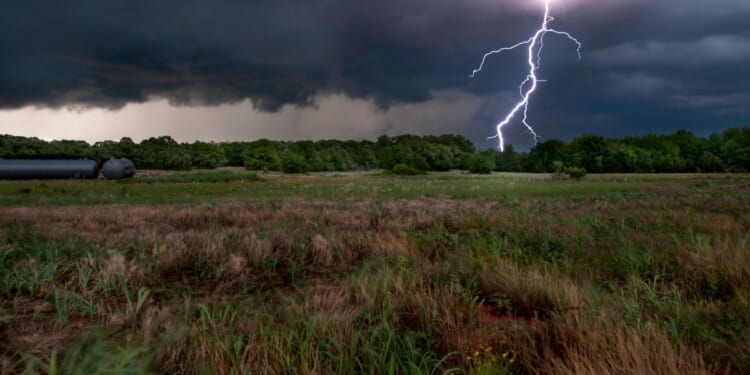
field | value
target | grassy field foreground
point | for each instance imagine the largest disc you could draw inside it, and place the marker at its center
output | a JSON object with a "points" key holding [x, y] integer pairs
{"points": [[235, 274]]}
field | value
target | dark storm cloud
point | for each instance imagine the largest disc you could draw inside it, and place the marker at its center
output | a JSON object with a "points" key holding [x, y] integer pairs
{"points": [[645, 62], [102, 53]]}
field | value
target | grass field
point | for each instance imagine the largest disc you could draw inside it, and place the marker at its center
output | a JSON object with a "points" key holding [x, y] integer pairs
{"points": [[235, 273]]}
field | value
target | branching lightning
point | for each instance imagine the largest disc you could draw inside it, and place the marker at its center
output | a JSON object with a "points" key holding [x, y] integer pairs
{"points": [[529, 85]]}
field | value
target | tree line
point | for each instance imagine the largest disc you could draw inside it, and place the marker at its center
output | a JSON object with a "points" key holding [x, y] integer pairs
{"points": [[682, 151]]}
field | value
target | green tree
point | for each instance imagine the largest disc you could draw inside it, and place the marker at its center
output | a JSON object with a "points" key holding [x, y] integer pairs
{"points": [[481, 163], [332, 156], [263, 158], [207, 155], [735, 149], [163, 153], [576, 172], [392, 155], [592, 150], [363, 154], [710, 163], [540, 157], [620, 158], [292, 162], [65, 150], [234, 151], [690, 148], [106, 150], [13, 147], [508, 160]]}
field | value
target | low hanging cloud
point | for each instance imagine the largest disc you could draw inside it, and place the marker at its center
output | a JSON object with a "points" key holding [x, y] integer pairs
{"points": [[327, 117]]}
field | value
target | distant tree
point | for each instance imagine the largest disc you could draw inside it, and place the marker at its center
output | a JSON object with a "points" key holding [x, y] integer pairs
{"points": [[363, 154], [292, 162], [163, 153], [481, 163], [65, 150], [383, 142], [392, 155], [438, 157], [576, 172], [713, 144], [405, 149], [263, 158], [690, 148], [13, 147], [207, 155], [233, 151], [710, 163], [458, 142], [667, 158], [508, 160], [592, 150], [540, 157], [735, 149], [678, 152], [127, 148], [331, 156], [105, 150], [620, 158]]}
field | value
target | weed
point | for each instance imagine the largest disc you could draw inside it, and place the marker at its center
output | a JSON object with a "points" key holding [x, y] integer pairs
{"points": [[135, 301], [95, 355], [68, 304]]}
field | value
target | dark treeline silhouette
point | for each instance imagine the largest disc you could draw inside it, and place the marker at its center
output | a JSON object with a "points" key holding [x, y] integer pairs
{"points": [[675, 153], [682, 151]]}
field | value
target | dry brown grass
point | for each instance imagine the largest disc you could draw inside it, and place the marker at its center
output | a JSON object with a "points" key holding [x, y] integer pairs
{"points": [[576, 343], [530, 292], [244, 284], [727, 260]]}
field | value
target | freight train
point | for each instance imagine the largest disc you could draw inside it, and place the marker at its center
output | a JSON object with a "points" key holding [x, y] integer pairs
{"points": [[113, 169]]}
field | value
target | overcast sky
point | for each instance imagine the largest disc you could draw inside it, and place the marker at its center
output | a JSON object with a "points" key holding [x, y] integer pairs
{"points": [[312, 69]]}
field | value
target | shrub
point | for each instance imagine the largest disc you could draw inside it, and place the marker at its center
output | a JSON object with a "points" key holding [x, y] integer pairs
{"points": [[558, 167], [405, 170], [482, 163], [576, 172]]}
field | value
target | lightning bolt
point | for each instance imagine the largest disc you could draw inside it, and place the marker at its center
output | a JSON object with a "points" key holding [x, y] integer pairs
{"points": [[530, 84]]}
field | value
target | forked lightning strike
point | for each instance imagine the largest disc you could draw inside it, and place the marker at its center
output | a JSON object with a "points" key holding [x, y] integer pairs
{"points": [[529, 85]]}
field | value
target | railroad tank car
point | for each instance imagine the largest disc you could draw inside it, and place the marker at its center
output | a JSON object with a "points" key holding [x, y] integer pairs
{"points": [[11, 169]]}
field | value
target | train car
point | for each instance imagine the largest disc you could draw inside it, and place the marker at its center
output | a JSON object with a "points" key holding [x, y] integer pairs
{"points": [[117, 169], [48, 169]]}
